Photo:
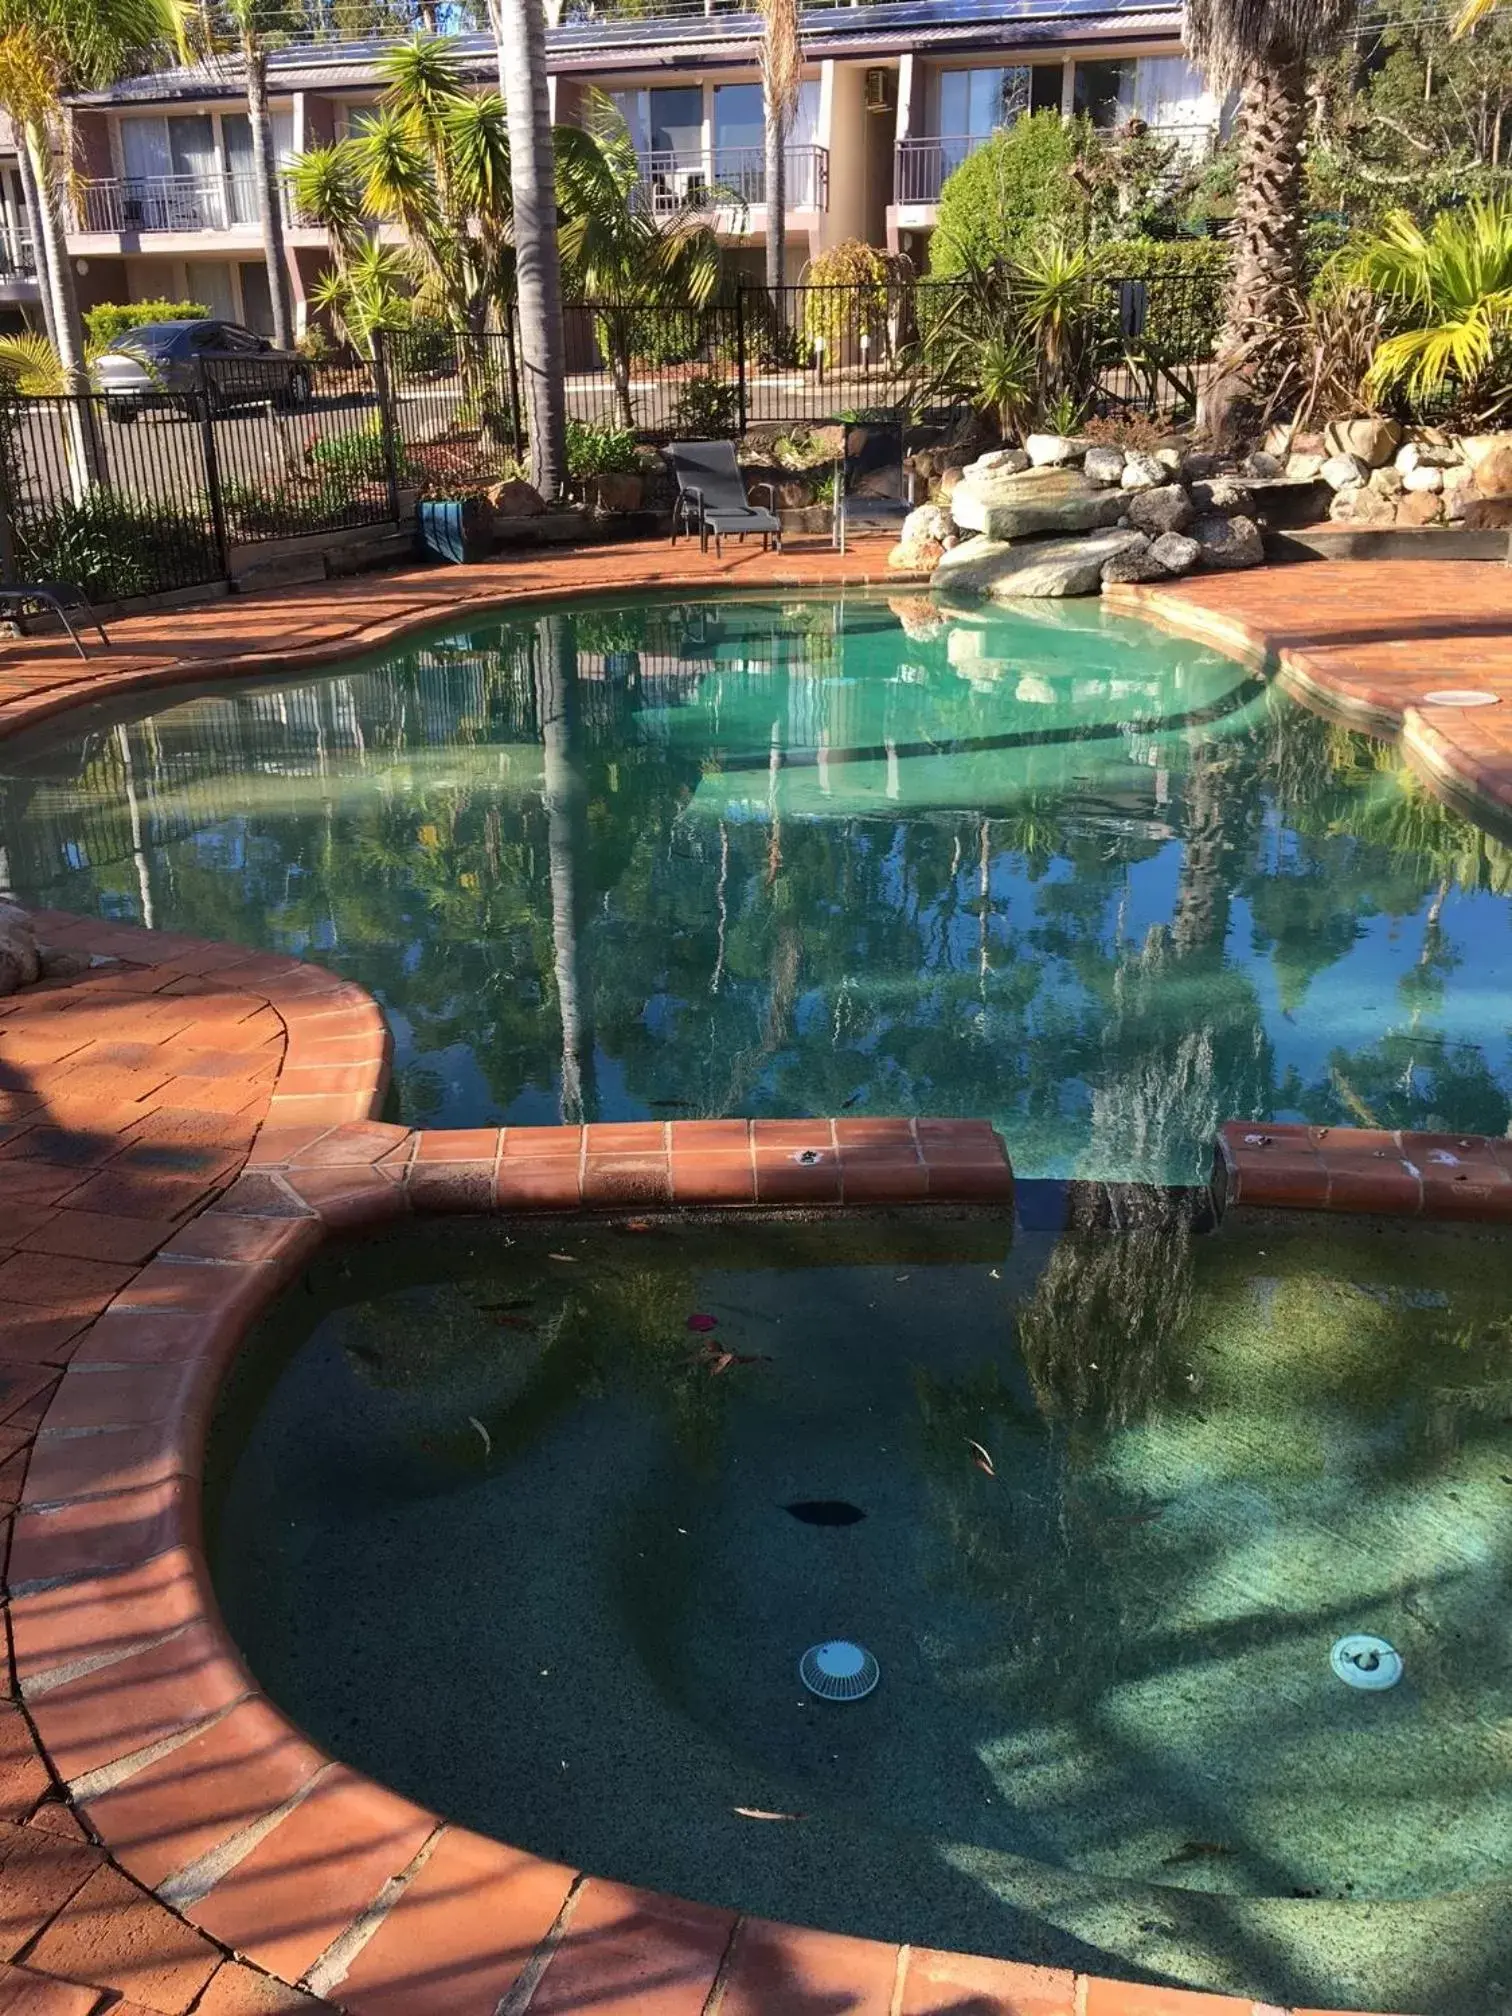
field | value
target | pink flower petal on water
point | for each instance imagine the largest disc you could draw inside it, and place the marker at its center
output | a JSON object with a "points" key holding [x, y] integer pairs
{"points": [[698, 1321]]}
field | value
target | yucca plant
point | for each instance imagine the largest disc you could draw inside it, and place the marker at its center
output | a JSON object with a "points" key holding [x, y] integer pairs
{"points": [[1451, 285]]}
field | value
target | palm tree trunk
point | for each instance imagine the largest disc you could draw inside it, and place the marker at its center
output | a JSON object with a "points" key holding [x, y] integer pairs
{"points": [[269, 196], [776, 202], [81, 441], [69, 324], [1265, 234], [33, 203], [521, 26], [1200, 922]]}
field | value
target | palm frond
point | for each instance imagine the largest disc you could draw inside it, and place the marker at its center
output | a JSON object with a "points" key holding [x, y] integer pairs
{"points": [[1226, 37], [30, 365]]}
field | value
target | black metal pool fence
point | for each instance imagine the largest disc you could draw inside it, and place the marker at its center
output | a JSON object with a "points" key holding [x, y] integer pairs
{"points": [[170, 493]]}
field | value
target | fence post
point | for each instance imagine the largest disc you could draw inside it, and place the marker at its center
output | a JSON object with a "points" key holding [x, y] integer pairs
{"points": [[206, 416], [383, 385], [9, 422], [740, 356], [512, 364]]}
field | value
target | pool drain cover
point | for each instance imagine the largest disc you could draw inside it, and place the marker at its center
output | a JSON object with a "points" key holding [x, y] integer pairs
{"points": [[1363, 1661], [839, 1670]]}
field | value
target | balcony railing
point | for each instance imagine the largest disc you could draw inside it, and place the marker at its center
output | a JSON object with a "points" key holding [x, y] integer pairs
{"points": [[923, 163], [729, 178], [171, 203], [18, 255]]}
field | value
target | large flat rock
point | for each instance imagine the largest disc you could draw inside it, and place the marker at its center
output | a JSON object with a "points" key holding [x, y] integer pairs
{"points": [[1004, 506], [991, 567]]}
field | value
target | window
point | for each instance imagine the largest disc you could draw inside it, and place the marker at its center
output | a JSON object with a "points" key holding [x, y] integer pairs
{"points": [[1105, 91], [241, 172], [676, 119], [975, 103], [1164, 91], [739, 116]]}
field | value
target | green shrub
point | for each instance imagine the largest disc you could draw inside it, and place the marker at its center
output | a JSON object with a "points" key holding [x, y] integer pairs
{"points": [[1184, 284], [114, 547], [426, 346], [707, 409], [600, 451], [355, 458], [102, 325], [1152, 258], [1015, 191]]}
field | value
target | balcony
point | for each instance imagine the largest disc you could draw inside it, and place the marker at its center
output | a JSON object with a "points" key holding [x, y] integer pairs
{"points": [[18, 256], [729, 178], [182, 203], [923, 163]]}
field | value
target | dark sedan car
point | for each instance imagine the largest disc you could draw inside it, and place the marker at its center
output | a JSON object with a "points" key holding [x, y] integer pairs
{"points": [[195, 366]]}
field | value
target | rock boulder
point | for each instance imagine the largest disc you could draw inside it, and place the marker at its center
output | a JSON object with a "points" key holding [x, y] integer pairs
{"points": [[1049, 451], [1223, 493], [1134, 563], [1493, 472], [1045, 567], [1345, 472], [1103, 465], [1176, 553], [1228, 542], [1372, 439], [1167, 508], [1143, 472], [1003, 506]]}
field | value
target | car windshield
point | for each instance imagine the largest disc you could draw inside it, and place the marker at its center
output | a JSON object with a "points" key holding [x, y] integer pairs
{"points": [[154, 337]]}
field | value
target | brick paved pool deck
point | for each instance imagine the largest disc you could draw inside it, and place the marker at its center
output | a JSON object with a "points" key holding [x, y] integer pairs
{"points": [[181, 1126]]}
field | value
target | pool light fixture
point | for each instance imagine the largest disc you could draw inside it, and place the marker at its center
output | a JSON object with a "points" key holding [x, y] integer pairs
{"points": [[839, 1670], [1366, 1662]]}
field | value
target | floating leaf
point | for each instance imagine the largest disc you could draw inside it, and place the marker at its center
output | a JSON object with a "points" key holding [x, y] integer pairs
{"points": [[699, 1321]]}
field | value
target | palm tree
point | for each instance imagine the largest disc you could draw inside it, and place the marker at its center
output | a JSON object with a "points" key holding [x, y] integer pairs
{"points": [[254, 59], [1451, 286], [1263, 48], [614, 252], [781, 76], [48, 48], [520, 30]]}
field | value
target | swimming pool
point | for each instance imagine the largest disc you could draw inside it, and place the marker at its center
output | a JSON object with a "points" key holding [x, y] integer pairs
{"points": [[675, 857], [535, 1526]]}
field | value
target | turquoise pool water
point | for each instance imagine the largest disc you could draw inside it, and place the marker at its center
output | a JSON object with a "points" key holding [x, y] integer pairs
{"points": [[834, 855]]}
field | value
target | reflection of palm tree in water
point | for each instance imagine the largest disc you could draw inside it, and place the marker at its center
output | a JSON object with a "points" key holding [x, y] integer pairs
{"points": [[565, 799], [1199, 923]]}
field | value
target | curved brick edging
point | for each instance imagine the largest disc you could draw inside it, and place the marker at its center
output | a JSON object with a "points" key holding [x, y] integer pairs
{"points": [[203, 1791], [1337, 636]]}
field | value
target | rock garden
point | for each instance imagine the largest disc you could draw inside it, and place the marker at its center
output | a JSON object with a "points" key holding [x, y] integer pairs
{"points": [[1064, 514]]}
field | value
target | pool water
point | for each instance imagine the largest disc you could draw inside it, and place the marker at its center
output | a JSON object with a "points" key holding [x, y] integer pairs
{"points": [[840, 855], [509, 1530]]}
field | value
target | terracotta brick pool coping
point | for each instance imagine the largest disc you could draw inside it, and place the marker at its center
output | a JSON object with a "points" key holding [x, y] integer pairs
{"points": [[179, 1131]]}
